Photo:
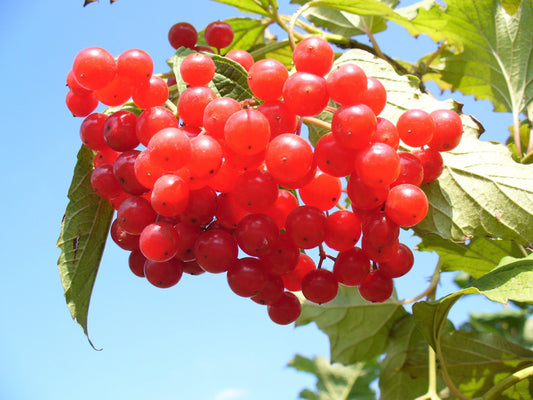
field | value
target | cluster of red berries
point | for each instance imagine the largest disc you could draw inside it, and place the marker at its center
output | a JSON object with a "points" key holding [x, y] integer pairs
{"points": [[231, 187]]}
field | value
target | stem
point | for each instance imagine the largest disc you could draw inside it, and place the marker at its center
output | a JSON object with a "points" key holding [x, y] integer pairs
{"points": [[374, 42], [322, 255], [292, 23], [317, 122], [516, 134], [172, 107], [299, 127], [506, 383]]}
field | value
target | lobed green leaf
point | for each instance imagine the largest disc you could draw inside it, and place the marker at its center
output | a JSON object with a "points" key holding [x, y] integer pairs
{"points": [[510, 280], [84, 231], [492, 45], [346, 23], [476, 258]]}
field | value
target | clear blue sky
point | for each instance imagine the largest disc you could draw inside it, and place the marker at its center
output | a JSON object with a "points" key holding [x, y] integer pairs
{"points": [[196, 340]]}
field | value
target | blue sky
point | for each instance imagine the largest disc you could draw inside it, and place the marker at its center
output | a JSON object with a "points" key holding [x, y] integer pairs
{"points": [[194, 341]]}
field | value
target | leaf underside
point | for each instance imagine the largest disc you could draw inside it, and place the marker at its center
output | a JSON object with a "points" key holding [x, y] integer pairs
{"points": [[82, 239]]}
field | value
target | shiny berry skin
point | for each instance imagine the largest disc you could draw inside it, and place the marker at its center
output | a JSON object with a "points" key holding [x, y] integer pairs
{"points": [[123, 239], [314, 55], [448, 130], [192, 103], [289, 157], [377, 287], [400, 264], [343, 230], [218, 34], [351, 267], [411, 170], [377, 165], [94, 68], [163, 274], [159, 241], [153, 93], [197, 69], [105, 183], [242, 57], [81, 105], [293, 279], [136, 262], [346, 83], [152, 120], [257, 234], [406, 205], [124, 170], [170, 149], [266, 78], [134, 214], [375, 95], [170, 195], [307, 226], [182, 34], [119, 131], [134, 67], [255, 191], [92, 131], [323, 191], [246, 276], [415, 127], [305, 94], [320, 286], [354, 126], [216, 250], [432, 163], [286, 310]]}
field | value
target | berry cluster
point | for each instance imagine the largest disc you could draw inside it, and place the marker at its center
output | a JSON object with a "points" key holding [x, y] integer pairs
{"points": [[232, 187]]}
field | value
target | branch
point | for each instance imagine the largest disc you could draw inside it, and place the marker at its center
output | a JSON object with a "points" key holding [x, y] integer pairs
{"points": [[506, 383]]}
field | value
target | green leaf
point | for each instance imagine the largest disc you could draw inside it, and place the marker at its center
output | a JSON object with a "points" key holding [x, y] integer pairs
{"points": [[492, 42], [248, 32], [510, 280], [508, 323], [357, 330], [248, 6], [337, 382], [82, 239], [230, 80], [280, 51], [347, 23], [477, 361], [405, 367], [476, 258]]}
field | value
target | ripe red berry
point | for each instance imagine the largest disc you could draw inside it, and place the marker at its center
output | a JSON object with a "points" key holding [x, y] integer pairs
{"points": [[320, 286], [313, 55], [406, 205], [218, 34], [286, 310], [94, 68], [448, 130], [182, 34]]}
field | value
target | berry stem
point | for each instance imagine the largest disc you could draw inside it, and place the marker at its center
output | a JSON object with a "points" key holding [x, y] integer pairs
{"points": [[322, 255], [172, 107], [317, 122], [299, 127]]}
